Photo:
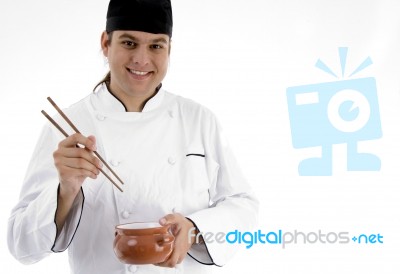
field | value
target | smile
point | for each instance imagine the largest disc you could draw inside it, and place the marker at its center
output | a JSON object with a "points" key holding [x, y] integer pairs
{"points": [[137, 72]]}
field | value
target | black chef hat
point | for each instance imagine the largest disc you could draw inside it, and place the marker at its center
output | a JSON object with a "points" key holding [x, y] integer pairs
{"points": [[154, 16]]}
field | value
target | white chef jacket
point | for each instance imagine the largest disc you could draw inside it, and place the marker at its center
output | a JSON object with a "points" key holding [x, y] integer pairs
{"points": [[172, 157]]}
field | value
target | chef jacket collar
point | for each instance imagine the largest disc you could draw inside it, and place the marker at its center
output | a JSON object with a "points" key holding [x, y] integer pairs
{"points": [[110, 103]]}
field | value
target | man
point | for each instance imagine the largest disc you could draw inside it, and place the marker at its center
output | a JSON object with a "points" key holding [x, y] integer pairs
{"points": [[168, 149]]}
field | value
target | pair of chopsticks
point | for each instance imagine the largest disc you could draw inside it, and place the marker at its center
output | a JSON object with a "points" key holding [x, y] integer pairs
{"points": [[77, 131]]}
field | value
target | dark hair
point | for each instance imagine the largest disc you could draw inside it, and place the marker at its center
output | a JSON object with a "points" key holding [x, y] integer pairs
{"points": [[107, 78]]}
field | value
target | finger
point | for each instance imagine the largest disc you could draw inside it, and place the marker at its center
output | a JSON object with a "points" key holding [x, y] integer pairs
{"points": [[180, 259], [77, 138], [75, 152], [171, 261], [67, 173], [80, 163], [92, 138], [169, 219]]}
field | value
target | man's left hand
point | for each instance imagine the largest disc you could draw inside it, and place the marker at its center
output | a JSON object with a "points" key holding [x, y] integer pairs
{"points": [[180, 227]]}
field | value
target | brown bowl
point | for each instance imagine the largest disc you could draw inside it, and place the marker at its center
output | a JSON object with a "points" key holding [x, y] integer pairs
{"points": [[142, 243]]}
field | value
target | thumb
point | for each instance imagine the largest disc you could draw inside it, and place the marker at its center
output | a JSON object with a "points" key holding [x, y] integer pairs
{"points": [[168, 220], [93, 140]]}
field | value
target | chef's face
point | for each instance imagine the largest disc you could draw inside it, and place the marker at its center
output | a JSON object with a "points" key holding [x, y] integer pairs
{"points": [[138, 62]]}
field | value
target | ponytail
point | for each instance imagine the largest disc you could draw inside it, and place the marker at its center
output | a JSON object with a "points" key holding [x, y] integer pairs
{"points": [[105, 80]]}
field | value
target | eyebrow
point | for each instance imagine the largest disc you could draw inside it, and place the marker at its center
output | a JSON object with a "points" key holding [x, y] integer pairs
{"points": [[133, 38]]}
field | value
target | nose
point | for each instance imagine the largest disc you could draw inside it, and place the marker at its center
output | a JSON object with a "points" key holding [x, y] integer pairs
{"points": [[140, 56]]}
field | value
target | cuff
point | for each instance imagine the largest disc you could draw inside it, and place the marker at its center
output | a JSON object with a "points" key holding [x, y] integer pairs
{"points": [[199, 251], [71, 224]]}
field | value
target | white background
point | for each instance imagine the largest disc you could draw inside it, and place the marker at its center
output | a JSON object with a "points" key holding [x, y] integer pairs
{"points": [[237, 57]]}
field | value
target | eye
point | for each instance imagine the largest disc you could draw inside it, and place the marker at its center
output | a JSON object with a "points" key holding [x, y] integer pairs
{"points": [[129, 44], [156, 46]]}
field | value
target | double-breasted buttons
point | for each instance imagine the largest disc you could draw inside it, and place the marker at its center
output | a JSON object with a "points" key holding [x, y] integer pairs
{"points": [[100, 117], [115, 163], [132, 268], [125, 214], [171, 160]]}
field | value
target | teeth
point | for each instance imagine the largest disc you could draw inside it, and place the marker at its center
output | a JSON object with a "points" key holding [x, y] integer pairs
{"points": [[138, 72]]}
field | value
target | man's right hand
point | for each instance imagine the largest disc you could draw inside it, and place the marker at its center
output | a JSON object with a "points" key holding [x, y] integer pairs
{"points": [[74, 164]]}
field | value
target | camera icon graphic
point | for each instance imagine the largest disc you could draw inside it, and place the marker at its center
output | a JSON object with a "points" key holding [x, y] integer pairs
{"points": [[325, 114]]}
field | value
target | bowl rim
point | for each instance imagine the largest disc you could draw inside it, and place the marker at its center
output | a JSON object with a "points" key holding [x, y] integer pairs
{"points": [[138, 225]]}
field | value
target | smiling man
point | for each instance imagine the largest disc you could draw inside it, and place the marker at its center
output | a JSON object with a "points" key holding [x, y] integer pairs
{"points": [[169, 151]]}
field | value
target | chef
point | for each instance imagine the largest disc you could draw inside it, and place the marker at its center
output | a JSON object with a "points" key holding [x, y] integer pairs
{"points": [[169, 151]]}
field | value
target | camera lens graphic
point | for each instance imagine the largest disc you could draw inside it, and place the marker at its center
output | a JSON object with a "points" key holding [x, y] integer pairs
{"points": [[348, 110]]}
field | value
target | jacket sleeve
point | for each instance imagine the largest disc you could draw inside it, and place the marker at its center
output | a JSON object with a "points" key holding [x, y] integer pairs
{"points": [[31, 226], [233, 205]]}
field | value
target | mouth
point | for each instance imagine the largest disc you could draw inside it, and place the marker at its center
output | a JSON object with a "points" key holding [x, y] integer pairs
{"points": [[139, 73]]}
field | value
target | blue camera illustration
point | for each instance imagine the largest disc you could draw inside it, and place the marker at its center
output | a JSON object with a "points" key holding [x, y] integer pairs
{"points": [[331, 113]]}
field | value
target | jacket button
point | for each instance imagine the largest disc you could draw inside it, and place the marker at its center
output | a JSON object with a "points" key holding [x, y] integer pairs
{"points": [[171, 160], [114, 163], [132, 268], [100, 117], [125, 214]]}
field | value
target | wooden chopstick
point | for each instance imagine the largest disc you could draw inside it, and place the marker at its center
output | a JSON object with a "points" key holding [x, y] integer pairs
{"points": [[77, 131]]}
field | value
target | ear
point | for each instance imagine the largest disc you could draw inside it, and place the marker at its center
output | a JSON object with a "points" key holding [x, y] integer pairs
{"points": [[104, 43], [169, 47]]}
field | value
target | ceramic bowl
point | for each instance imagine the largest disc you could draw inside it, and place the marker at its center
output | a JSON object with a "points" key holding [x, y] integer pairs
{"points": [[142, 243]]}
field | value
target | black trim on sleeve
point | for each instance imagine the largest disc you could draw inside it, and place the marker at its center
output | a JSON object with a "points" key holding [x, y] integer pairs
{"points": [[202, 262], [206, 249], [55, 239], [195, 154]]}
